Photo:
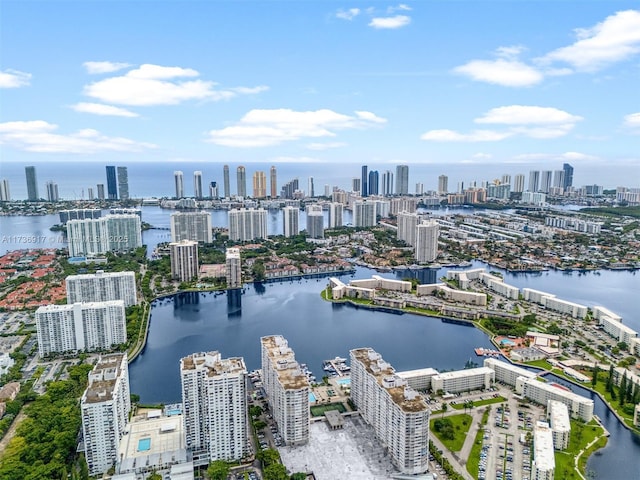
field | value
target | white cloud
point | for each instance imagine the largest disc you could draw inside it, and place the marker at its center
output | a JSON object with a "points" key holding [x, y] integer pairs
{"points": [[567, 156], [349, 14], [100, 109], [475, 136], [104, 67], [615, 39], [39, 136], [508, 73], [326, 145], [527, 114], [150, 85], [14, 79], [399, 8], [397, 21], [481, 155], [632, 121], [260, 128]]}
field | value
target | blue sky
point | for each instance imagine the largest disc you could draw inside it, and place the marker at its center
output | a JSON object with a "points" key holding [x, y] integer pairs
{"points": [[449, 83]]}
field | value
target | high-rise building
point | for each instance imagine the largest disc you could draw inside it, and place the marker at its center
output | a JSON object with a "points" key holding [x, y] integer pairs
{"points": [[273, 180], [247, 224], [419, 188], [5, 192], [403, 204], [356, 186], [213, 190], [544, 463], [364, 214], [52, 191], [80, 327], [315, 224], [241, 180], [226, 182], [534, 181], [178, 179], [214, 398], [364, 186], [398, 414], [90, 195], [100, 187], [105, 407], [112, 183], [506, 179], [195, 226], [402, 180], [387, 183], [407, 223], [102, 287], [291, 221], [545, 181], [374, 183], [327, 190], [518, 183], [32, 184], [311, 191], [259, 185], [111, 233], [123, 183], [290, 188], [287, 389], [184, 260], [558, 179], [568, 175], [197, 184], [443, 185], [426, 246], [233, 271], [335, 215]]}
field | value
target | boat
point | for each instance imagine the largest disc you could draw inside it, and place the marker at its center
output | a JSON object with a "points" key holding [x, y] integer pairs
{"points": [[486, 352]]}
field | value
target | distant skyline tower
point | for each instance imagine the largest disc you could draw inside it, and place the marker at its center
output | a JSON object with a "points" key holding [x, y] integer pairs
{"points": [[291, 220], [273, 179], [100, 187], [5, 192], [402, 180], [213, 190], [355, 185], [443, 185], [364, 186], [518, 183], [545, 181], [534, 181], [419, 188], [178, 179], [52, 191], [568, 175], [558, 179], [310, 188], [327, 190], [387, 183], [197, 184], [32, 184], [225, 181], [506, 179], [90, 193], [374, 183], [123, 183], [112, 183], [259, 185], [241, 180]]}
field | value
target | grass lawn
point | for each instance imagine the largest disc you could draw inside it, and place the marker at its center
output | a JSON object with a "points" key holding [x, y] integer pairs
{"points": [[318, 410], [581, 435], [615, 404], [480, 403], [474, 456], [460, 426], [540, 364]]}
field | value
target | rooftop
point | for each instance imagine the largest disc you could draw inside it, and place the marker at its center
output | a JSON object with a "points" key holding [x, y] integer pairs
{"points": [[284, 363], [214, 363], [103, 378], [468, 372], [543, 454], [559, 416]]}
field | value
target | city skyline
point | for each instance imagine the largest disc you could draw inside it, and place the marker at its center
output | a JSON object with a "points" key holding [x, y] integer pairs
{"points": [[481, 98]]}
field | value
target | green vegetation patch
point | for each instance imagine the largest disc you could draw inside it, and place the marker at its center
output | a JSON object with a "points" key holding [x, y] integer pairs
{"points": [[480, 403], [614, 211], [582, 434], [474, 455], [318, 410], [452, 430]]}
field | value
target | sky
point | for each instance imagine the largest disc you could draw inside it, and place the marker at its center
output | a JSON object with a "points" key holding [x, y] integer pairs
{"points": [[472, 85]]}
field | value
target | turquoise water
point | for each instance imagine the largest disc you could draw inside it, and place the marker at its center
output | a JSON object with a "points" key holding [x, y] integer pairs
{"points": [[312, 397], [174, 412], [344, 381], [144, 444], [506, 341]]}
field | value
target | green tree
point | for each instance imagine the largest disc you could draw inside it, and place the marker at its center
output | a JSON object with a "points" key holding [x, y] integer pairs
{"points": [[155, 476], [218, 470], [258, 271], [299, 476], [275, 471], [622, 392], [594, 378], [268, 457]]}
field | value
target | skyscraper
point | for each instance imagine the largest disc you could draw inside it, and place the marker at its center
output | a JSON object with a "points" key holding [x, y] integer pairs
{"points": [[402, 179], [184, 260], [335, 215], [90, 195], [534, 181], [32, 184], [443, 185], [194, 226], [214, 397], [123, 183], [426, 246], [374, 182], [5, 192], [259, 185], [545, 181], [247, 224], [112, 183], [419, 188], [568, 175], [518, 183], [233, 272], [387, 183], [364, 186], [213, 190], [311, 188], [558, 179], [112, 233], [407, 223], [197, 184], [52, 191], [225, 181], [100, 187], [315, 224], [364, 214], [241, 179], [355, 185], [101, 287], [273, 178], [290, 221], [105, 407], [178, 179], [506, 179]]}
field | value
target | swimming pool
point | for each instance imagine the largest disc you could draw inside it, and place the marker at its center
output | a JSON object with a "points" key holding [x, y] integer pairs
{"points": [[144, 444], [312, 397], [176, 411], [346, 382]]}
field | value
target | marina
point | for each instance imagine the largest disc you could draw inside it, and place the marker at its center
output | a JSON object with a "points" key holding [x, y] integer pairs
{"points": [[336, 367], [486, 352]]}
